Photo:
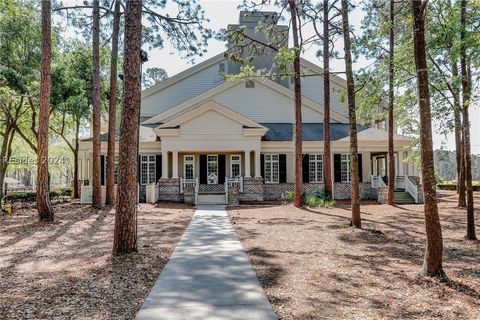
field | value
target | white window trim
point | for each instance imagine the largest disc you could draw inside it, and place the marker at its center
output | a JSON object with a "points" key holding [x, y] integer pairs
{"points": [[185, 162], [349, 167], [154, 162], [271, 161], [316, 168], [239, 161]]}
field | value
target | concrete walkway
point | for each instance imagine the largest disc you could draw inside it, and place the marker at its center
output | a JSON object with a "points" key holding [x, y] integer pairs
{"points": [[208, 276]]}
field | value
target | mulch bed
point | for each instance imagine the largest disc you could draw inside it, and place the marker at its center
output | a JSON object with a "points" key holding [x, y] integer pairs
{"points": [[312, 265], [65, 269]]}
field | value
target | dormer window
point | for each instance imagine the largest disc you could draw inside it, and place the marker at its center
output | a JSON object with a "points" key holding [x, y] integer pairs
{"points": [[250, 84]]}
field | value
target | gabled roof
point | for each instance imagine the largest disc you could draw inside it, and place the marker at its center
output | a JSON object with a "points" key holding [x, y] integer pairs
{"points": [[208, 95], [182, 75], [210, 106], [374, 134], [310, 131], [333, 77]]}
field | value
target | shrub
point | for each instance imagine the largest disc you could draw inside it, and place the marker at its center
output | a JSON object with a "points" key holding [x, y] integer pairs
{"points": [[289, 196], [31, 196], [453, 186]]}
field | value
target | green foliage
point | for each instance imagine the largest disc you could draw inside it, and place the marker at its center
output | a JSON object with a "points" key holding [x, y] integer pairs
{"points": [[453, 186], [18, 197], [314, 200], [446, 167], [152, 76], [317, 199], [289, 196]]}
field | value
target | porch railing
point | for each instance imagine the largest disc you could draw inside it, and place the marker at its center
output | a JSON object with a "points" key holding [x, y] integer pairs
{"points": [[197, 188], [188, 183], [377, 182], [234, 183], [412, 189], [400, 182]]}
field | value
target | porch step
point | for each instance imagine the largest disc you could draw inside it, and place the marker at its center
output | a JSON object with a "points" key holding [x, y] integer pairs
{"points": [[403, 198], [211, 198]]}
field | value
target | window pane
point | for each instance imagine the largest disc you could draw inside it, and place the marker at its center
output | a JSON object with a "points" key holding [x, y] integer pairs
{"points": [[189, 171]]}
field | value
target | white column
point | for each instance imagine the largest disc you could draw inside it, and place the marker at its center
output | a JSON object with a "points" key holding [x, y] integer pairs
{"points": [[164, 164], [175, 164], [258, 165], [247, 164]]}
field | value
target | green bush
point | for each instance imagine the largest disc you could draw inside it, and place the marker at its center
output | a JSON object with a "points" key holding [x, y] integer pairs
{"points": [[313, 200], [31, 196], [453, 186], [289, 196]]}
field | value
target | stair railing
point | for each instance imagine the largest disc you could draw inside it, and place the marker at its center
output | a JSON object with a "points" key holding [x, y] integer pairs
{"points": [[411, 188], [377, 182]]}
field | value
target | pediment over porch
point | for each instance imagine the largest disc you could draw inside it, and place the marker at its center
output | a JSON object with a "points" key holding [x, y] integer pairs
{"points": [[210, 122]]}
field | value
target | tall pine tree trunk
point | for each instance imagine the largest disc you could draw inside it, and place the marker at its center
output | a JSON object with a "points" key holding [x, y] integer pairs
{"points": [[44, 205], [458, 141], [356, 218], [76, 194], [391, 97], [125, 235], [96, 179], [110, 199], [298, 105], [466, 89], [327, 157], [432, 264]]}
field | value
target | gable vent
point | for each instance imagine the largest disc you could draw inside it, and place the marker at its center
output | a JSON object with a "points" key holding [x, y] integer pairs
{"points": [[250, 84]]}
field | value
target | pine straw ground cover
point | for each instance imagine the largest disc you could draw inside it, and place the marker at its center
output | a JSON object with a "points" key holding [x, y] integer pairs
{"points": [[313, 266], [65, 270]]}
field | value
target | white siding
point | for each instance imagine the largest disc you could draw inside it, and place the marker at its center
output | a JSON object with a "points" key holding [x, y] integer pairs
{"points": [[263, 104], [181, 91], [312, 88], [211, 125]]}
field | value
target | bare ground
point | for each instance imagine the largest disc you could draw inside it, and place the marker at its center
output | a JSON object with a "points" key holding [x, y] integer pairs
{"points": [[65, 270], [313, 266]]}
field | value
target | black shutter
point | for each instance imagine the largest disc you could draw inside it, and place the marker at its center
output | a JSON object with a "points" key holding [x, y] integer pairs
{"points": [[158, 167], [262, 166], [138, 169], [282, 164], [221, 169], [337, 167], [360, 169], [203, 169], [102, 169], [306, 168]]}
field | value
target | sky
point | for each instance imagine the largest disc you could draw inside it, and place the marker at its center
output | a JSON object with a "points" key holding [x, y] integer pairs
{"points": [[224, 12]]}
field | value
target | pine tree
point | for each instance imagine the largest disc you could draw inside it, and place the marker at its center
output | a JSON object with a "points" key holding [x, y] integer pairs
{"points": [[432, 264], [44, 205], [125, 235], [355, 202]]}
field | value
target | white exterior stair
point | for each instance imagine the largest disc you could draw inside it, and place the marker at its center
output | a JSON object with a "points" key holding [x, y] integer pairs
{"points": [[211, 199]]}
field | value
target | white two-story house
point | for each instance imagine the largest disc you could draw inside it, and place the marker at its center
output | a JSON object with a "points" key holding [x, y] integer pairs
{"points": [[202, 136]]}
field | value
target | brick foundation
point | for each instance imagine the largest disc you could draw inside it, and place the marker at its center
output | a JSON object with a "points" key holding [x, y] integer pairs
{"points": [[382, 195], [233, 197], [189, 196], [273, 191], [343, 191], [252, 189], [169, 190]]}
